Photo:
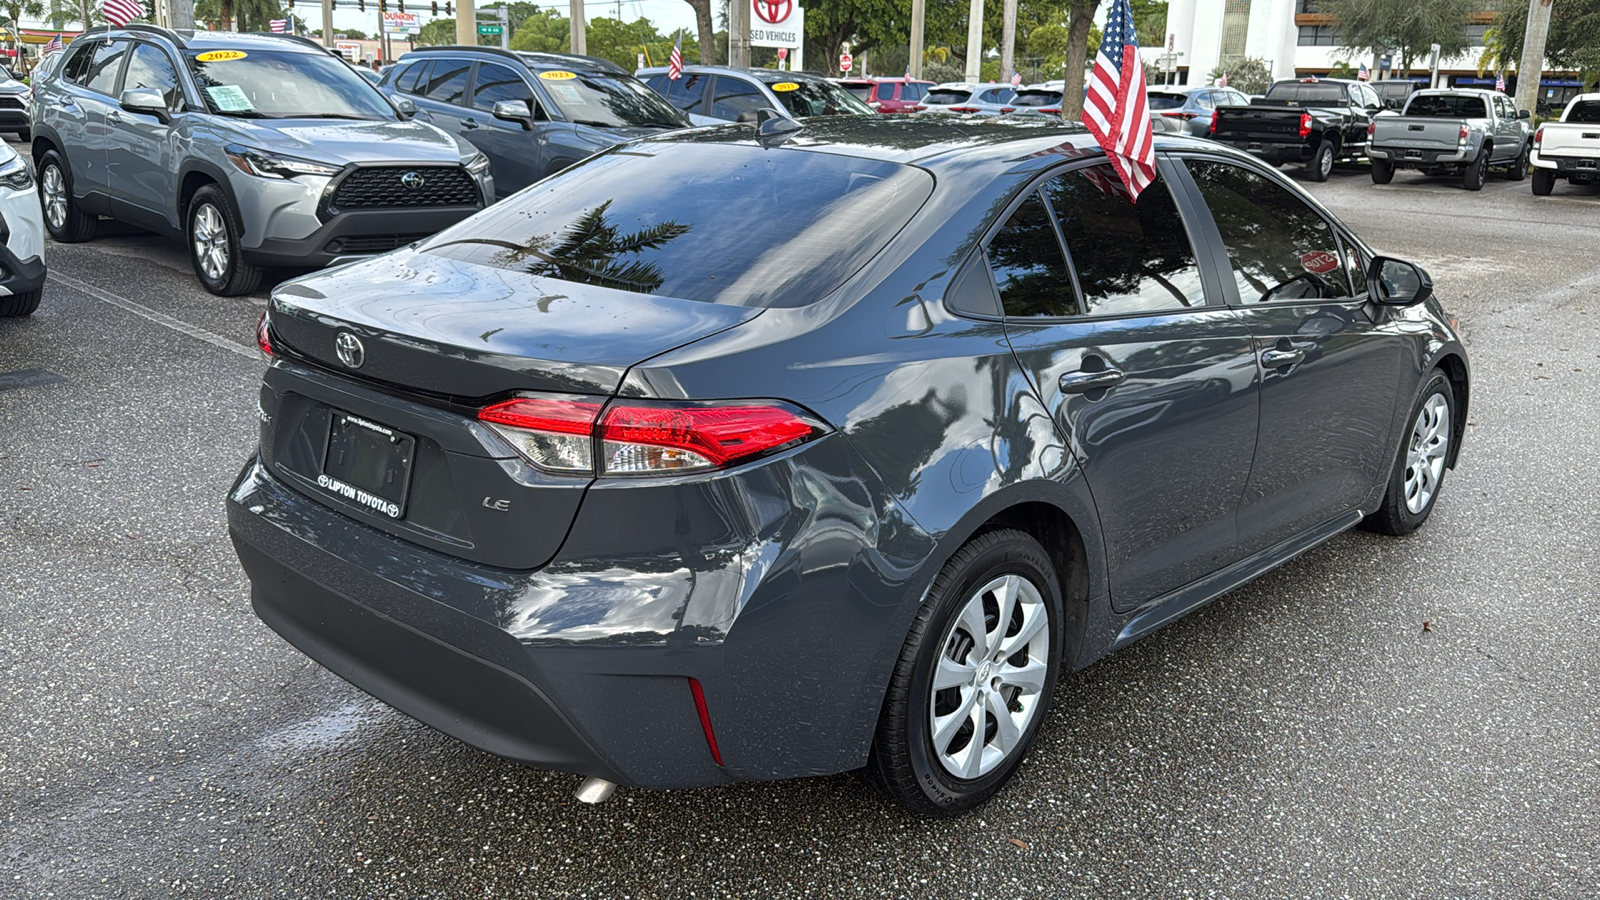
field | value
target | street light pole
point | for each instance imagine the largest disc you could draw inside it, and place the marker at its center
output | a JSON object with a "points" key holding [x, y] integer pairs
{"points": [[1008, 39], [975, 41], [327, 23], [739, 34], [466, 23], [580, 28], [918, 10], [1531, 69]]}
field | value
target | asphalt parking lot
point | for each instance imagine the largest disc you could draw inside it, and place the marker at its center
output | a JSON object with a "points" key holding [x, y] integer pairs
{"points": [[1382, 717]]}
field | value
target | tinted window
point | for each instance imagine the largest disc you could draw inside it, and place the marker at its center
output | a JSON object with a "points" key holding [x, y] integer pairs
{"points": [[695, 220], [1281, 248], [286, 85], [1129, 257], [1165, 101], [1584, 112], [816, 98], [103, 69], [913, 91], [1307, 94], [1029, 269], [1036, 99], [687, 92], [447, 83], [860, 91], [77, 68], [495, 83], [948, 97], [1206, 101], [149, 67], [1356, 266], [1447, 106], [406, 82], [734, 96], [608, 101]]}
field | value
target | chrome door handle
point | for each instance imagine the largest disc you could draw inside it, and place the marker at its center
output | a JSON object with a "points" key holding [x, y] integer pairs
{"points": [[114, 118], [1277, 359], [468, 124], [1083, 382]]}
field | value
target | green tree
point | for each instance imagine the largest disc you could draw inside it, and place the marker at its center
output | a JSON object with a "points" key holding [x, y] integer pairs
{"points": [[622, 42], [1150, 20], [543, 32], [1573, 42], [1406, 29], [1249, 74]]}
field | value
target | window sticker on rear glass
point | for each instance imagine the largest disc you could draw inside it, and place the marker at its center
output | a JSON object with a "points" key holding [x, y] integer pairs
{"points": [[786, 86], [558, 76], [229, 98], [221, 56]]}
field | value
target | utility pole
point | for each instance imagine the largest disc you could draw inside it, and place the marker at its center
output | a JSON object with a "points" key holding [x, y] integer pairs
{"points": [[1008, 39], [1531, 71], [466, 23], [580, 28], [181, 12], [974, 41], [739, 34], [918, 8], [505, 26], [327, 23]]}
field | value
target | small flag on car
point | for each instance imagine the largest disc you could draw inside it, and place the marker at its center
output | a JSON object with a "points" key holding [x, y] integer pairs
{"points": [[282, 26], [1500, 82], [121, 12], [1114, 109], [53, 45], [675, 62], [1016, 79], [1365, 74], [1223, 81]]}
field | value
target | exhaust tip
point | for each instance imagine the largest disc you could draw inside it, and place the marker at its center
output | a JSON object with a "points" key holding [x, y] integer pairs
{"points": [[595, 790]]}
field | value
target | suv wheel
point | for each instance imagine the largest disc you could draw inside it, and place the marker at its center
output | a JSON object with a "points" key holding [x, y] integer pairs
{"points": [[974, 679], [1321, 164], [18, 305], [213, 238], [62, 217]]}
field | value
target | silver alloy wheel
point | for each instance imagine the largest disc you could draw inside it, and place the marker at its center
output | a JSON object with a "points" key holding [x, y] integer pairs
{"points": [[993, 661], [1326, 166], [210, 238], [55, 197], [1430, 441]]}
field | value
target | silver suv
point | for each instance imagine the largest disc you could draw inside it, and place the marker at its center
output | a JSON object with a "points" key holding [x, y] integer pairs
{"points": [[257, 150]]}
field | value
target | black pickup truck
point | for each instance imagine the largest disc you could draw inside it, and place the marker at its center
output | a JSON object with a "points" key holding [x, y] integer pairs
{"points": [[1310, 120]]}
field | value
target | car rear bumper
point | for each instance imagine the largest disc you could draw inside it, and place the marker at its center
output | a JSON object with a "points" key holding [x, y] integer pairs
{"points": [[1571, 167], [1272, 151], [1416, 156]]}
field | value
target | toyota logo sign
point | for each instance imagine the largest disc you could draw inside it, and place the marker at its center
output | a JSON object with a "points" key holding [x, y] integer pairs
{"points": [[773, 12], [350, 351], [413, 181]]}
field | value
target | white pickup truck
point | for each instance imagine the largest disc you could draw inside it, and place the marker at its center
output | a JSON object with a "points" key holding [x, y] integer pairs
{"points": [[1570, 148]]}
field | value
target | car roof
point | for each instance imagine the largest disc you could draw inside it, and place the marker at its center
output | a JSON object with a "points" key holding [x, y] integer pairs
{"points": [[213, 40], [766, 76], [537, 61], [880, 79]]}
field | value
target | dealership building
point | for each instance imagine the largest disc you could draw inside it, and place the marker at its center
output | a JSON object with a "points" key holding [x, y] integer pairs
{"points": [[1296, 39]]}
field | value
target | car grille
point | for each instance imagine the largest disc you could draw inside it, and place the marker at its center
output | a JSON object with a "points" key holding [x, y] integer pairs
{"points": [[384, 187], [376, 243], [12, 103]]}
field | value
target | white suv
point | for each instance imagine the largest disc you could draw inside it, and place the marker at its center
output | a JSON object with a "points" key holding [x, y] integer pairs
{"points": [[21, 237]]}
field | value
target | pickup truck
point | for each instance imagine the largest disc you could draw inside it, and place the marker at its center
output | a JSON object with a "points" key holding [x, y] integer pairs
{"points": [[1309, 120], [1462, 132], [1570, 148]]}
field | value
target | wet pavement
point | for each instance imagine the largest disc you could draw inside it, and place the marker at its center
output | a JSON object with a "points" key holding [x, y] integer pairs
{"points": [[1379, 718]]}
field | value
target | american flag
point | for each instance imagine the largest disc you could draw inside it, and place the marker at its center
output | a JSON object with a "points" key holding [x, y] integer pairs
{"points": [[121, 12], [282, 26], [1016, 79], [53, 45], [1365, 74], [675, 62], [1115, 110], [1223, 81], [1500, 82]]}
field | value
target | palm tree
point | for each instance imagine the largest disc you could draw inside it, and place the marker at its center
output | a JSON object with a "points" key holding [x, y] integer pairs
{"points": [[590, 252]]}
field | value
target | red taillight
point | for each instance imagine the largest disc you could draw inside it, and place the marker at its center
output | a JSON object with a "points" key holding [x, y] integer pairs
{"points": [[919, 107], [1462, 135], [1053, 110], [1371, 127], [263, 337], [1305, 124], [705, 718], [1214, 120], [1186, 116], [558, 433], [964, 109], [1008, 109], [1538, 137]]}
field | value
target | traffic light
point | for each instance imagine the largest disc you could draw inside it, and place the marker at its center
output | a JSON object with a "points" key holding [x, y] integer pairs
{"points": [[382, 7], [448, 11], [436, 7], [361, 5], [401, 5], [291, 4]]}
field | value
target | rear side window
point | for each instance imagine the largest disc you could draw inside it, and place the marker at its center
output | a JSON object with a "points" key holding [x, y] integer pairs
{"points": [[1584, 112], [1281, 248], [687, 92], [1130, 258], [948, 97], [104, 68], [1028, 266], [77, 68], [447, 82], [406, 82], [695, 221], [734, 97], [1446, 106]]}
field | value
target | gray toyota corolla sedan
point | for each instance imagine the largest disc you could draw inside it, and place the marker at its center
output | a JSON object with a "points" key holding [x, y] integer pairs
{"points": [[770, 451]]}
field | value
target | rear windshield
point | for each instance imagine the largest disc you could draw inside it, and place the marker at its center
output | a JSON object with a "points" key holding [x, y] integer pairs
{"points": [[1307, 94], [947, 97], [1036, 98], [1584, 112], [1446, 106], [817, 98], [1166, 101], [608, 101], [720, 223]]}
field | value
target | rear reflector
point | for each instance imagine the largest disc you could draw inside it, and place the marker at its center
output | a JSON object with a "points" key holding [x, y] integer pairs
{"points": [[638, 437], [705, 719]]}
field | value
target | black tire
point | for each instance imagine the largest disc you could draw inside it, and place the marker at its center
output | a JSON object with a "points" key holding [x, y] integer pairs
{"points": [[1544, 181], [233, 275], [18, 305], [1476, 172], [903, 764], [25, 136], [1321, 164], [74, 225], [1394, 515], [1518, 169], [1382, 171]]}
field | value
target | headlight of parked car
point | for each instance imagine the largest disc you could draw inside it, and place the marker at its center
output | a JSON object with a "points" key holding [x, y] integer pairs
{"points": [[477, 164], [272, 165], [15, 174]]}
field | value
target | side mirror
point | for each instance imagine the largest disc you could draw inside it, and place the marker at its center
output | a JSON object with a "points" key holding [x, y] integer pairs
{"points": [[403, 106], [146, 102], [514, 111], [1395, 282], [1522, 114], [756, 116]]}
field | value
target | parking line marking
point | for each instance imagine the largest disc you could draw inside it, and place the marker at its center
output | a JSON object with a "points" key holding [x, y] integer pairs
{"points": [[145, 312]]}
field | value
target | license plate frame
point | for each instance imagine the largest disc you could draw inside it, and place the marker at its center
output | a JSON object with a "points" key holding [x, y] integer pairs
{"points": [[368, 463]]}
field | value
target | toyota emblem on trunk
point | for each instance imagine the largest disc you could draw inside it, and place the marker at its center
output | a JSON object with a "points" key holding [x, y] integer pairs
{"points": [[350, 351], [413, 180]]}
